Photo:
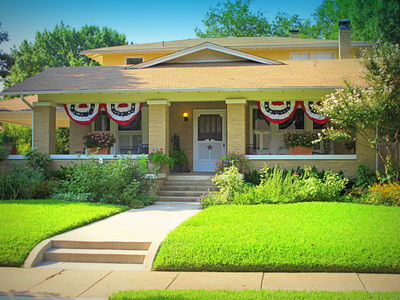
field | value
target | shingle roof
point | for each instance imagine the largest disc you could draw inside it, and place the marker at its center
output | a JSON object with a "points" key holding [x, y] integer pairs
{"points": [[16, 104], [306, 73], [233, 42]]}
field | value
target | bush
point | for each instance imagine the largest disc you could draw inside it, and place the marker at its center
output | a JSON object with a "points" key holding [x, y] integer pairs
{"points": [[385, 194], [238, 160], [276, 186], [83, 197], [3, 153], [38, 161], [22, 182], [120, 181], [364, 177]]}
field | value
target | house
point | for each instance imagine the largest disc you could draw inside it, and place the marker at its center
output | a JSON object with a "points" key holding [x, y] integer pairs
{"points": [[219, 95]]}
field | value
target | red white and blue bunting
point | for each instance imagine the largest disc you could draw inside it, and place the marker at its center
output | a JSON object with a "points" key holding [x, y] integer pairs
{"points": [[122, 113], [280, 111], [277, 111], [312, 113], [82, 113]]}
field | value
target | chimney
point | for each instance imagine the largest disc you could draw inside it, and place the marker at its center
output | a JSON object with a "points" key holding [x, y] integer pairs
{"points": [[294, 33], [344, 39]]}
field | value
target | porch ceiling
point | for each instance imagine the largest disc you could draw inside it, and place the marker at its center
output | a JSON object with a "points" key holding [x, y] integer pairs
{"points": [[211, 76]]}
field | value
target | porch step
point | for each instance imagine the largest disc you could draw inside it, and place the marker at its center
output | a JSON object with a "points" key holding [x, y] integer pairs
{"points": [[95, 255], [181, 193], [189, 177], [188, 188], [178, 199], [188, 183]]}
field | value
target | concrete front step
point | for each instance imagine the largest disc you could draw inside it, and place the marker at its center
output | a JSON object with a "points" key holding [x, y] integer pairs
{"points": [[188, 188], [177, 199], [100, 245], [89, 266], [187, 183], [189, 177], [95, 255], [181, 193]]}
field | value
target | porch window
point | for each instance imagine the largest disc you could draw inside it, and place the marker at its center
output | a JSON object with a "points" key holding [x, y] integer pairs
{"points": [[102, 122], [267, 138]]}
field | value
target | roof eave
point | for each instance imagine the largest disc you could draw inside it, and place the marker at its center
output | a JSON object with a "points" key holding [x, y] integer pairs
{"points": [[171, 90]]}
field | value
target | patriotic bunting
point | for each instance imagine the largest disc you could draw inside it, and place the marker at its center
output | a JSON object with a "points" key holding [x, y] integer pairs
{"points": [[82, 114], [122, 113], [312, 113], [280, 111], [277, 111]]}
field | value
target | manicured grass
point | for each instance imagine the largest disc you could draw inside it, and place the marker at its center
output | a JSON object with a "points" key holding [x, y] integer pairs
{"points": [[300, 237], [25, 223], [248, 294]]}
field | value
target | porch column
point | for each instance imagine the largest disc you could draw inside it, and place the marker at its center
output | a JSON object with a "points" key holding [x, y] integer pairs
{"points": [[159, 125], [236, 125], [76, 133], [45, 127]]}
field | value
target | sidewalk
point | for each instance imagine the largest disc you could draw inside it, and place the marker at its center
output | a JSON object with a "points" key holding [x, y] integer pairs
{"points": [[100, 284]]}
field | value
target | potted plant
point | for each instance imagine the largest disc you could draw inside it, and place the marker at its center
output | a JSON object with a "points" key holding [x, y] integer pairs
{"points": [[98, 142], [300, 143], [8, 142], [157, 159], [177, 154]]}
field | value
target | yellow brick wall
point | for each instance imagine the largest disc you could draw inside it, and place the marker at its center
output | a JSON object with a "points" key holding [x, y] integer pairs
{"points": [[236, 128], [45, 129], [158, 127], [76, 132], [185, 129]]}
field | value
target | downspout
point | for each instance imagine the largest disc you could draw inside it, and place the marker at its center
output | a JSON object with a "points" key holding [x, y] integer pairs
{"points": [[33, 120]]}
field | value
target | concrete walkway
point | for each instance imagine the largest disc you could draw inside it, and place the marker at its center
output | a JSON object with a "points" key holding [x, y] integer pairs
{"points": [[100, 284], [149, 225]]}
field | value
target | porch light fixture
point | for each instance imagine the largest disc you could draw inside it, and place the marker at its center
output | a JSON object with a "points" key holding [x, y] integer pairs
{"points": [[185, 116]]}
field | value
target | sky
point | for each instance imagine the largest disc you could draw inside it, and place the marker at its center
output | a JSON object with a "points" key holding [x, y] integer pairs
{"points": [[141, 21]]}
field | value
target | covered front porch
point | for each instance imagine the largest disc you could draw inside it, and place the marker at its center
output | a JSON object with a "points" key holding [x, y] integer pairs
{"points": [[209, 125]]}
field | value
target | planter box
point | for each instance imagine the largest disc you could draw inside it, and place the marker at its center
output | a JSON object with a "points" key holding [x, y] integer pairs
{"points": [[100, 151], [298, 150]]}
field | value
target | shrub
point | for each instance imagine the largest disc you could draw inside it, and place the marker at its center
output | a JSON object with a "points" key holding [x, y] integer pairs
{"points": [[158, 157], [119, 181], [364, 176], [38, 161], [3, 153], [83, 197], [238, 160], [386, 194], [21, 182]]}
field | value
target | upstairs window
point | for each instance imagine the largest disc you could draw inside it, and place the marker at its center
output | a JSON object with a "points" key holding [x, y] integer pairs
{"points": [[312, 55], [133, 60]]}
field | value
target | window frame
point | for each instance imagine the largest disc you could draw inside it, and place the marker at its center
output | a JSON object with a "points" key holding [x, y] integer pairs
{"points": [[127, 57]]}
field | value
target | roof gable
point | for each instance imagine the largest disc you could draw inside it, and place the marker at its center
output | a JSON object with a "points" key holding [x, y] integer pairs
{"points": [[206, 52]]}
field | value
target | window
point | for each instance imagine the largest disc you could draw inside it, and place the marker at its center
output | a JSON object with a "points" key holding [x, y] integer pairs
{"points": [[130, 137], [267, 138], [102, 122], [312, 55], [133, 60], [135, 125]]}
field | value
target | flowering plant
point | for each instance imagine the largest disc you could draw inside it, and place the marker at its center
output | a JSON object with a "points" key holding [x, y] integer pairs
{"points": [[98, 139], [238, 160], [158, 157], [302, 139]]}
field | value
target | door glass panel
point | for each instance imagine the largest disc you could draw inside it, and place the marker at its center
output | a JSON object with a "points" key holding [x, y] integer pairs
{"points": [[209, 127]]}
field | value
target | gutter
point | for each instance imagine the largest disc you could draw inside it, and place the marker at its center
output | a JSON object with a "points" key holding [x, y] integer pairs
{"points": [[173, 90]]}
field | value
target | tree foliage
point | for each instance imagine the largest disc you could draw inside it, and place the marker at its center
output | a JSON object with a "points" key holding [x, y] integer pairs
{"points": [[372, 20], [5, 58], [58, 48], [371, 108]]}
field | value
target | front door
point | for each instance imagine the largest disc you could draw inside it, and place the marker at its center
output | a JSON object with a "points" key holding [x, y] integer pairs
{"points": [[209, 139]]}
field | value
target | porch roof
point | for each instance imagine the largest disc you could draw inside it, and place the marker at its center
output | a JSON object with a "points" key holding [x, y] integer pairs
{"points": [[234, 75]]}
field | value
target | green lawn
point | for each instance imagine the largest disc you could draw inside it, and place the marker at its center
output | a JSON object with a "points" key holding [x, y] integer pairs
{"points": [[24, 223], [306, 237], [249, 294]]}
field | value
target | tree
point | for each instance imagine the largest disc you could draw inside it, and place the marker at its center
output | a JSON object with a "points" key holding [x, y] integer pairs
{"points": [[58, 48], [371, 20], [373, 108], [233, 19], [5, 59]]}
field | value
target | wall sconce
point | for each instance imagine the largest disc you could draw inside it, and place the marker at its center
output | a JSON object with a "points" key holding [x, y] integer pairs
{"points": [[185, 116]]}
